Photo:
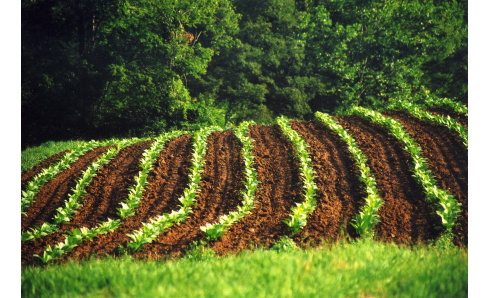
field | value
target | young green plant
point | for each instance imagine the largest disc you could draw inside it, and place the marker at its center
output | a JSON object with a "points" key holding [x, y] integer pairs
{"points": [[73, 238], [159, 224], [72, 204], [421, 114], [215, 230], [298, 217], [368, 217], [448, 208], [34, 186]]}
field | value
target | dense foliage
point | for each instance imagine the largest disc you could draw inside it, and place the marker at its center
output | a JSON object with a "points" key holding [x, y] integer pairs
{"points": [[99, 68]]}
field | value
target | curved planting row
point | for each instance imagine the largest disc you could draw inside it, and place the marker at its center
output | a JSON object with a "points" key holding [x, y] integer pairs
{"points": [[64, 214], [447, 205], [214, 231], [316, 181]]}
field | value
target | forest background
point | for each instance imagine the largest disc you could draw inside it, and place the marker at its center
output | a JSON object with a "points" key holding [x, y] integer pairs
{"points": [[122, 68]]}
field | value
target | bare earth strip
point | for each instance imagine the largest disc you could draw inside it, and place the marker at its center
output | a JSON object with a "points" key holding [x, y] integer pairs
{"points": [[405, 216], [108, 188], [448, 161], [219, 194], [276, 194], [339, 195]]}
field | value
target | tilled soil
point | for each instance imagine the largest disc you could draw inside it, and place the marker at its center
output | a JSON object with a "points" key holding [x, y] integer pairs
{"points": [[166, 185], [219, 194], [448, 161], [339, 194], [104, 194], [462, 119], [28, 175], [278, 191], [405, 216], [53, 194]]}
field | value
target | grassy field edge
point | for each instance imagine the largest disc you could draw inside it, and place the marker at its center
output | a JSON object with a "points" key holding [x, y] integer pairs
{"points": [[359, 269]]}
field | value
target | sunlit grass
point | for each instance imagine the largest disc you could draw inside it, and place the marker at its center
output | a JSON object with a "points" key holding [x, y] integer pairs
{"points": [[364, 269]]}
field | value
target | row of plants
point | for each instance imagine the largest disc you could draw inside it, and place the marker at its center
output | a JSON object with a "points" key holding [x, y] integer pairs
{"points": [[421, 114], [298, 217], [448, 208], [216, 230], [447, 103], [151, 230], [368, 217], [73, 238], [46, 175], [72, 204]]}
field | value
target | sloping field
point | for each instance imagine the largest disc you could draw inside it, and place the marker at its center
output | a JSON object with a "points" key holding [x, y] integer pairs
{"points": [[405, 215]]}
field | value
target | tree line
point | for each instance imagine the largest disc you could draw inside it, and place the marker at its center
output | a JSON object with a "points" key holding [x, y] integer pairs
{"points": [[120, 68]]}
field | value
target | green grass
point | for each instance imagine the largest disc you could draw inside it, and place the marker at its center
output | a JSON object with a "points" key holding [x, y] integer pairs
{"points": [[34, 155], [364, 269]]}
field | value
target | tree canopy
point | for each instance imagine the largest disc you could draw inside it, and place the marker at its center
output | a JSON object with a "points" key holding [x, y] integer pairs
{"points": [[98, 68]]}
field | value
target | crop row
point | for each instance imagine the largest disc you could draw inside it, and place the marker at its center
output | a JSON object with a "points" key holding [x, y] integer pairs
{"points": [[447, 206]]}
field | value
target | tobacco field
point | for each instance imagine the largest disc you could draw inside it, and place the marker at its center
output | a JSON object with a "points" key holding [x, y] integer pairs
{"points": [[398, 175]]}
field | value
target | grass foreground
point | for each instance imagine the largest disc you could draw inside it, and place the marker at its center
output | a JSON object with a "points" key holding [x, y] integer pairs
{"points": [[359, 269]]}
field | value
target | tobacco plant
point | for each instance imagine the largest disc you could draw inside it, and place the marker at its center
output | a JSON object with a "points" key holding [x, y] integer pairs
{"points": [[215, 230], [368, 217], [455, 106], [447, 205], [157, 225], [298, 217], [34, 186], [417, 112], [76, 236], [72, 204]]}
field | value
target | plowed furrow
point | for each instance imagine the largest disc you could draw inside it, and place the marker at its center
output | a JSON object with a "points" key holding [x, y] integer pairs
{"points": [[219, 194], [30, 174], [448, 161], [405, 216], [339, 195], [104, 194], [278, 191], [53, 194], [462, 119], [166, 183]]}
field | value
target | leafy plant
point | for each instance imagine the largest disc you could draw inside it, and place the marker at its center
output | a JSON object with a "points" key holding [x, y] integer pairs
{"points": [[298, 217], [151, 230], [448, 208], [72, 204], [214, 231], [285, 244], [419, 113], [33, 186], [368, 217]]}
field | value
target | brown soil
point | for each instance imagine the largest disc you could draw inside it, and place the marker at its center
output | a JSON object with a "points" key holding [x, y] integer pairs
{"points": [[448, 161], [278, 191], [405, 216], [339, 194], [104, 194], [219, 194], [462, 119], [166, 184], [28, 175], [53, 194]]}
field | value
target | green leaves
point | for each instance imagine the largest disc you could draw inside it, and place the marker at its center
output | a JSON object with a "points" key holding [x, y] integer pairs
{"points": [[151, 230], [216, 230], [447, 205], [367, 218], [64, 214], [48, 174], [448, 122], [298, 217]]}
